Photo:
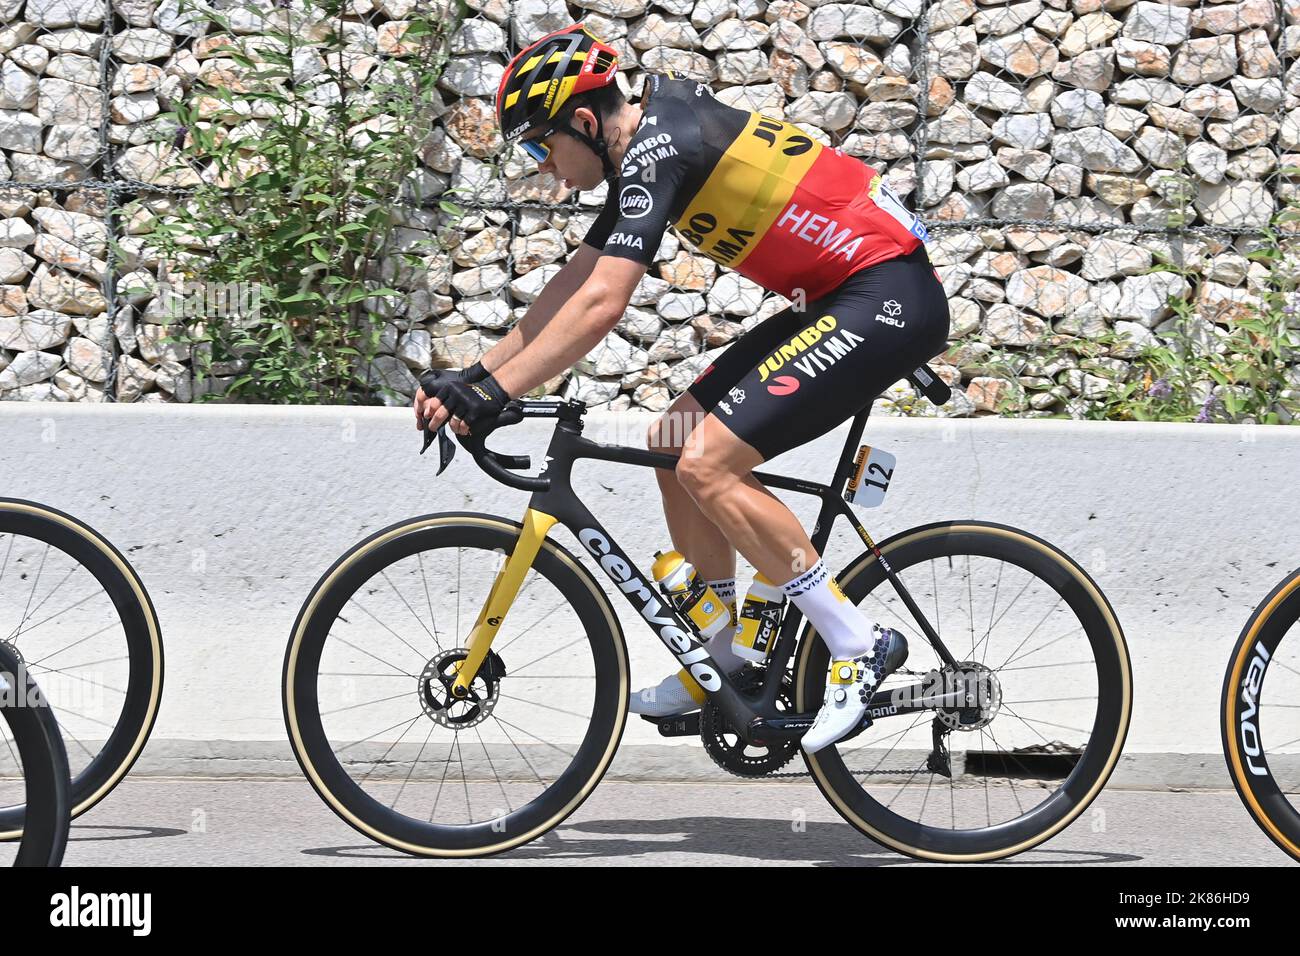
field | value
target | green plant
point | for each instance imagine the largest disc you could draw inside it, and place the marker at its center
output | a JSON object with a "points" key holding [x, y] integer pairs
{"points": [[1242, 371], [307, 149]]}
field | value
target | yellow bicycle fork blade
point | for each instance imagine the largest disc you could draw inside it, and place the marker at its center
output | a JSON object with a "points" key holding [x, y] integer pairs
{"points": [[504, 589]]}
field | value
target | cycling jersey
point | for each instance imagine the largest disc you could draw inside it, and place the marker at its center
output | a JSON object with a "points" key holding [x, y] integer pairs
{"points": [[798, 374], [756, 194]]}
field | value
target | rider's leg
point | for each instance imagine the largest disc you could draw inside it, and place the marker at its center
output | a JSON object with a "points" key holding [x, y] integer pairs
{"points": [[715, 471], [700, 541], [692, 534]]}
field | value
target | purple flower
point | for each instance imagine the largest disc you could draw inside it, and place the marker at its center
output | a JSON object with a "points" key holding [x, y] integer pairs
{"points": [[1208, 409], [1160, 388]]}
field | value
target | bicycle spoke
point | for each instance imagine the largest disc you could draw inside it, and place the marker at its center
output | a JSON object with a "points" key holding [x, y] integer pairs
{"points": [[414, 763], [464, 780], [406, 604], [1048, 723], [429, 601], [365, 703], [996, 585], [375, 765], [378, 732], [1014, 601], [30, 594], [558, 710], [519, 751], [363, 610], [446, 765], [535, 737], [491, 766], [1011, 780], [521, 667], [343, 640], [69, 647]]}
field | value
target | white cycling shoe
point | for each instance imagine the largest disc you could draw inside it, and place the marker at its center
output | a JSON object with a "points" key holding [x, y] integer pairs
{"points": [[849, 686], [671, 697]]}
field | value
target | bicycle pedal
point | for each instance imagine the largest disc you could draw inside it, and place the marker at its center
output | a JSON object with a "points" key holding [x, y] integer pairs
{"points": [[681, 725]]}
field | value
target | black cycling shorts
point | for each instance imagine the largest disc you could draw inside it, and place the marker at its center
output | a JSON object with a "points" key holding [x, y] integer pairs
{"points": [[798, 374]]}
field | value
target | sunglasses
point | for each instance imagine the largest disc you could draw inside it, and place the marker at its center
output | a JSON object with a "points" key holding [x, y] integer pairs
{"points": [[537, 148]]}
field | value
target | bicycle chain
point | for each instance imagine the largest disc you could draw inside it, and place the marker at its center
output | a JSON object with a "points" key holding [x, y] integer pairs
{"points": [[790, 774]]}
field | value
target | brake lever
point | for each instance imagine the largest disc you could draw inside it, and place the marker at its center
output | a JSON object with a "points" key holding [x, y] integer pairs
{"points": [[446, 447]]}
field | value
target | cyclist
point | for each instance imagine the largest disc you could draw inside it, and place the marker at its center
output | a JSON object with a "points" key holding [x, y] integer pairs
{"points": [[764, 198]]}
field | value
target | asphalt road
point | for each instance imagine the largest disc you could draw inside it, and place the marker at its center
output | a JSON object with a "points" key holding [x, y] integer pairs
{"points": [[198, 822]]}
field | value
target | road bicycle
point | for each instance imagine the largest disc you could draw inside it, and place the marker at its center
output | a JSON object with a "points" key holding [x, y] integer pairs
{"points": [[77, 617], [37, 778], [457, 684], [1255, 710]]}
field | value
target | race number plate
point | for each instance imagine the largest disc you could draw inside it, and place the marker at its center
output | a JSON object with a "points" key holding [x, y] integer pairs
{"points": [[873, 468]]}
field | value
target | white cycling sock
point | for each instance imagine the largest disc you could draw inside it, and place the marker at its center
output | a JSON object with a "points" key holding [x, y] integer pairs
{"points": [[845, 629], [719, 645]]}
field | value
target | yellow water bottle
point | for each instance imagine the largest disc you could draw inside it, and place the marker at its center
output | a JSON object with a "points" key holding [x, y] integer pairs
{"points": [[759, 617], [689, 593]]}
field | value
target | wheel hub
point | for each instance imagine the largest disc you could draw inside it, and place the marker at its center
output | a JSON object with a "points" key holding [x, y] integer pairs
{"points": [[983, 696], [443, 707]]}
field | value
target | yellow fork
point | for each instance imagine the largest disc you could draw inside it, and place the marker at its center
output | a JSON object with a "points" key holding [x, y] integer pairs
{"points": [[504, 590]]}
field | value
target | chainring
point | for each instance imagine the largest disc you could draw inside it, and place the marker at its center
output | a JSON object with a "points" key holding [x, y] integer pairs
{"points": [[729, 751]]}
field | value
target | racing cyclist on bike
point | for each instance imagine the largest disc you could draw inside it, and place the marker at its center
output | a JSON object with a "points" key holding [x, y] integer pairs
{"points": [[764, 198]]}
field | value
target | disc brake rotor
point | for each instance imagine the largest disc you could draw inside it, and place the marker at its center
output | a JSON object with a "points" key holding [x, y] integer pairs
{"points": [[458, 713]]}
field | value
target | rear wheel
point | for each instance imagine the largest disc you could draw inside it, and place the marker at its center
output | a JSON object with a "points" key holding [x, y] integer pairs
{"points": [[1038, 646]]}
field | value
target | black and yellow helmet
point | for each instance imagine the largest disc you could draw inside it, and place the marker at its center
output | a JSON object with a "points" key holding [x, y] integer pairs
{"points": [[541, 79]]}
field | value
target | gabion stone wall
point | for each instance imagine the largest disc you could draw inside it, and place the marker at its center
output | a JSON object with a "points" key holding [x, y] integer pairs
{"points": [[1057, 150]]}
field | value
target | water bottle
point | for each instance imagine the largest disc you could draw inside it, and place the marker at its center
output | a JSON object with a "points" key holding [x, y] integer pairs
{"points": [[759, 617], [689, 593]]}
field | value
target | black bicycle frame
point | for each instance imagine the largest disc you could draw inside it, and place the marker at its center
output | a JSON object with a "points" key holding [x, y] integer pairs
{"points": [[553, 495]]}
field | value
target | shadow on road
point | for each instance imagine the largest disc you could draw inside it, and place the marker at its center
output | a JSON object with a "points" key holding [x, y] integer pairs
{"points": [[818, 844]]}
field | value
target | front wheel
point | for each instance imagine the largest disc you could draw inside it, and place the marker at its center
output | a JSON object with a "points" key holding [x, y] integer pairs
{"points": [[368, 710], [1258, 708], [1039, 651]]}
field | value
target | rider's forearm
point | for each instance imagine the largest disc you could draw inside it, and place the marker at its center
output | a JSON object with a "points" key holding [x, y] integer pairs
{"points": [[578, 327], [552, 298]]}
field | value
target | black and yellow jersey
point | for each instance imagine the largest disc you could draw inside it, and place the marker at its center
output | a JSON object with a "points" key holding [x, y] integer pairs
{"points": [[753, 193]]}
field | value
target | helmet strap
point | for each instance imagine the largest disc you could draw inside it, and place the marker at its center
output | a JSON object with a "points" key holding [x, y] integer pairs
{"points": [[599, 147]]}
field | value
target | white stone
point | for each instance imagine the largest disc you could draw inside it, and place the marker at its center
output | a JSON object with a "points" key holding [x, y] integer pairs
{"points": [[54, 14], [1245, 205], [28, 368], [1023, 131], [62, 102], [1158, 23], [1075, 109], [75, 143], [1144, 298], [1095, 150], [16, 233], [853, 21], [139, 45], [991, 92], [953, 54], [1026, 54], [86, 232], [1107, 258], [41, 329], [1205, 60], [75, 68], [472, 76], [18, 88], [1047, 290], [20, 131]]}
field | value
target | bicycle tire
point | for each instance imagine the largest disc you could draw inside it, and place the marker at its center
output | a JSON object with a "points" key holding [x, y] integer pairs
{"points": [[1241, 701], [141, 632], [46, 810], [302, 712], [1089, 774]]}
